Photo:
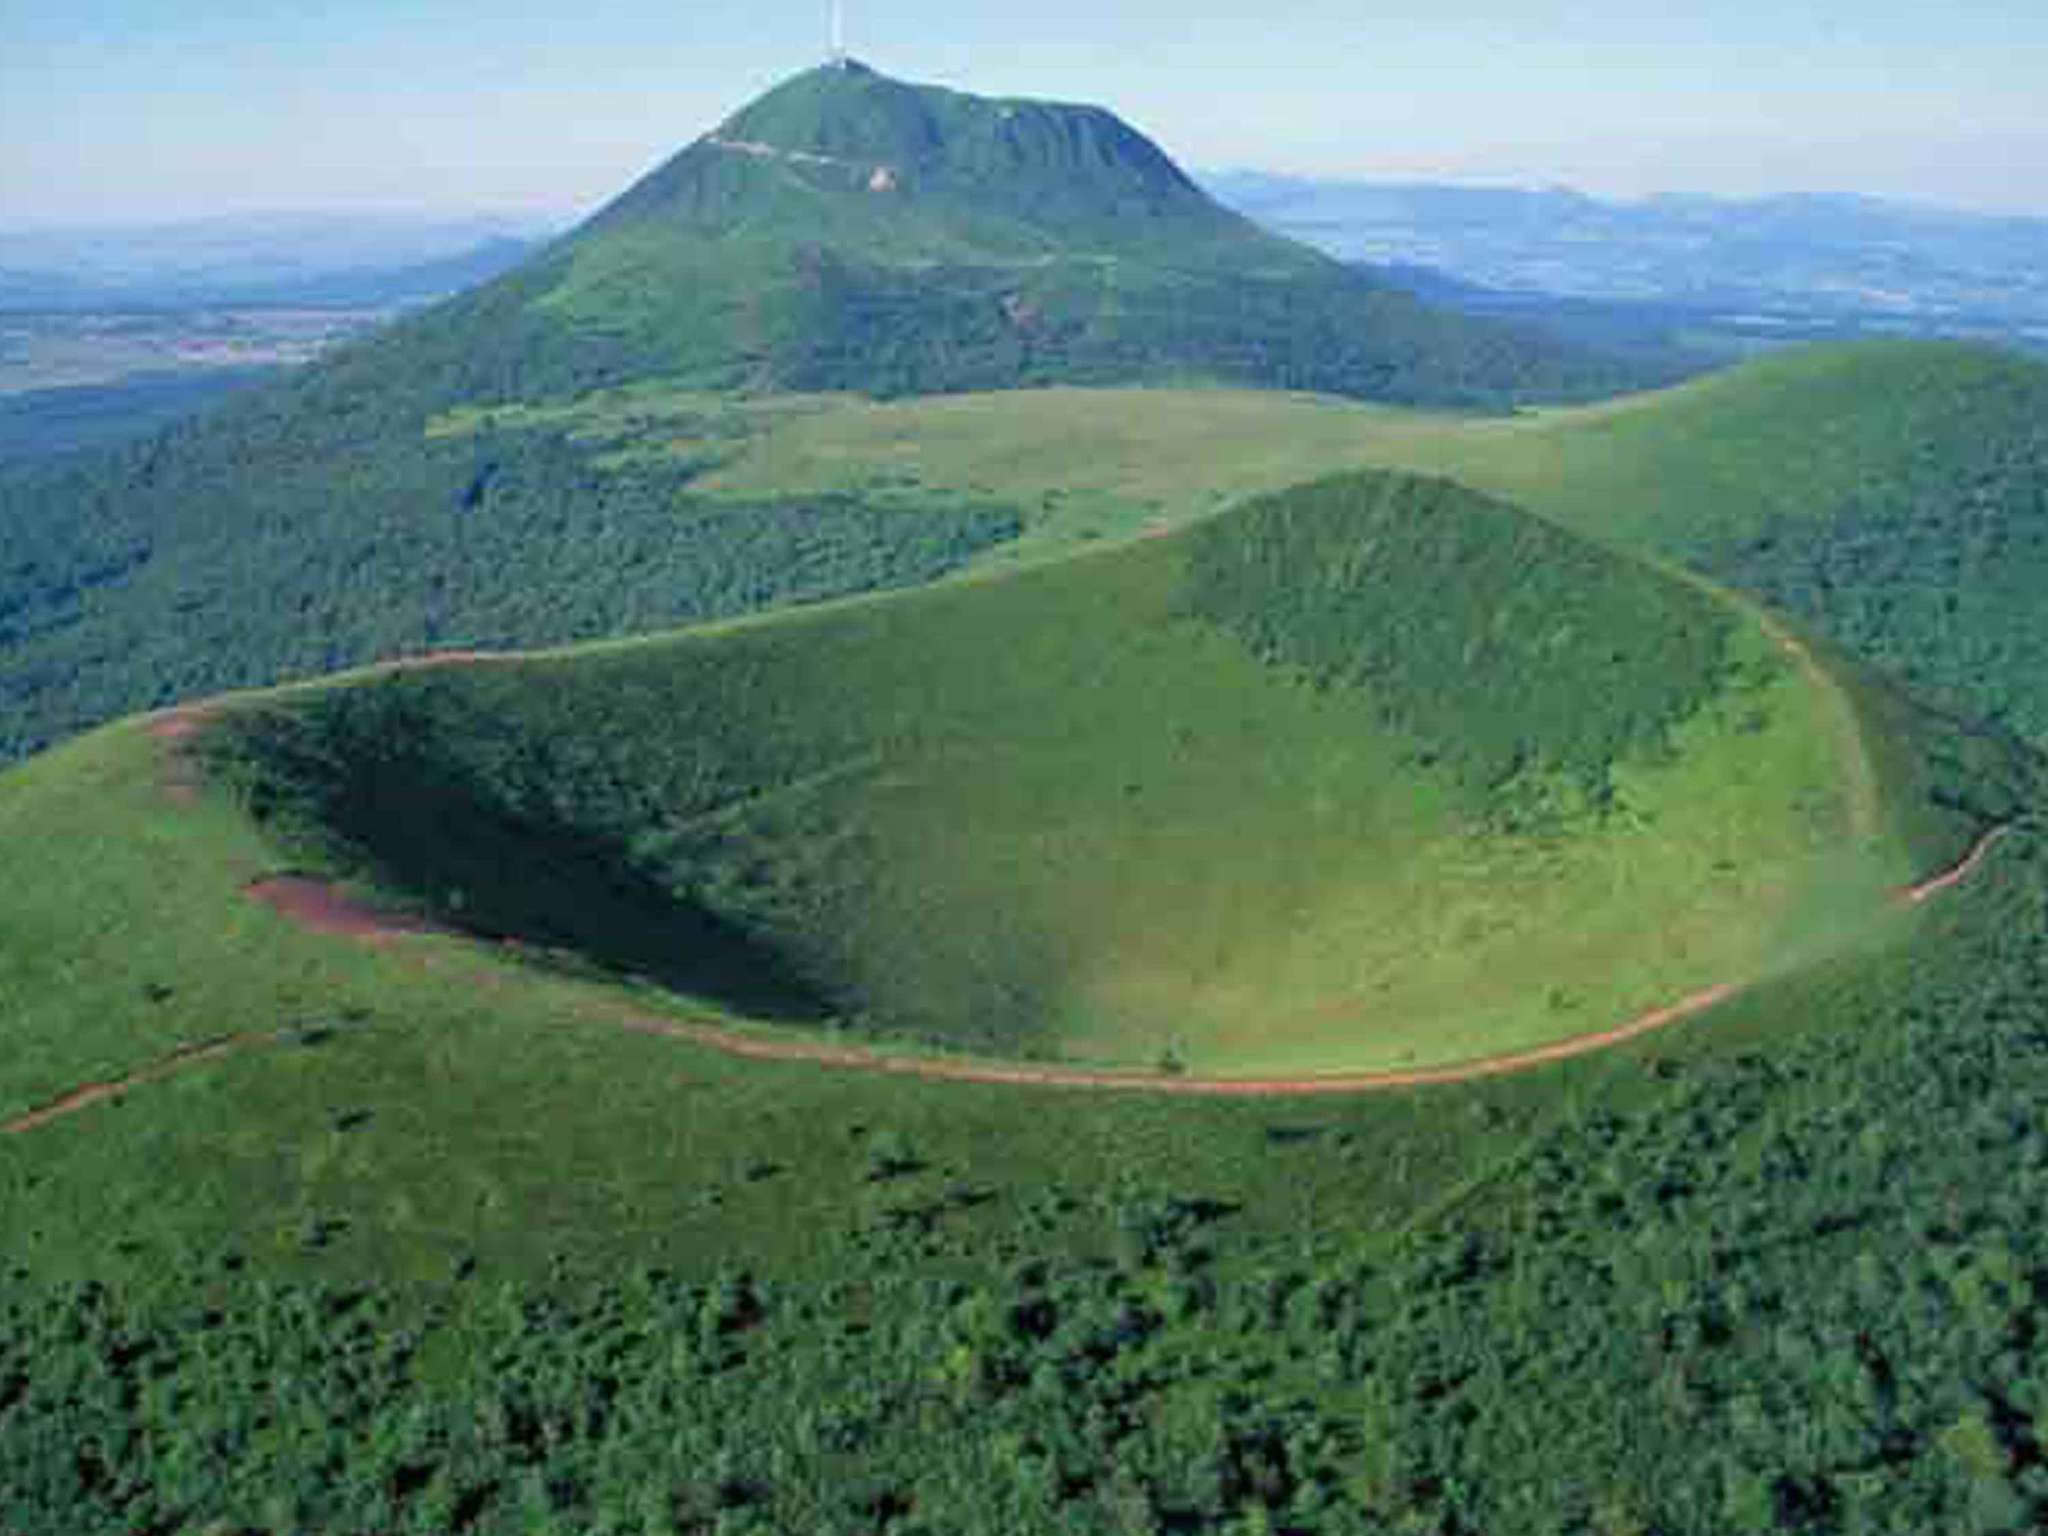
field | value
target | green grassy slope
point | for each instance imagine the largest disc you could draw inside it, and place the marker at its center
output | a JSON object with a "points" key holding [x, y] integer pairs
{"points": [[405, 1105], [1199, 799]]}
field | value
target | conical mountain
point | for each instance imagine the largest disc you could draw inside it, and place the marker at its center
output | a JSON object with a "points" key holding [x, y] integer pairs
{"points": [[852, 231]]}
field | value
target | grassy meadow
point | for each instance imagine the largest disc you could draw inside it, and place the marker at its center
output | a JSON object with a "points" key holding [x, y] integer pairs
{"points": [[1080, 465]]}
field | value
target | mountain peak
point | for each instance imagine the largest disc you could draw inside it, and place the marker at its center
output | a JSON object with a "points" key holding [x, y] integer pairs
{"points": [[850, 114]]}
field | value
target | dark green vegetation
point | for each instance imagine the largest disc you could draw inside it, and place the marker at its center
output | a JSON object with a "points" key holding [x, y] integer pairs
{"points": [[1201, 799], [44, 423], [1006, 243], [1501, 645], [1895, 497], [176, 573]]}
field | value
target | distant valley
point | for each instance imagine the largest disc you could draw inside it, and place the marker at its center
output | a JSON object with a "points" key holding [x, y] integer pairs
{"points": [[107, 333]]}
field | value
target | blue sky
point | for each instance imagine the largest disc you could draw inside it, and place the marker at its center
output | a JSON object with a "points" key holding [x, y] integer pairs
{"points": [[136, 109]]}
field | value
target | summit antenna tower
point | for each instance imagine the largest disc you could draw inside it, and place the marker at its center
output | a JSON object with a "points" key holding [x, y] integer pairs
{"points": [[838, 34]]}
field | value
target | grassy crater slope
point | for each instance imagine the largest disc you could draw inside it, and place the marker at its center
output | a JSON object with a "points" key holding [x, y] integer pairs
{"points": [[486, 1261], [1370, 773]]}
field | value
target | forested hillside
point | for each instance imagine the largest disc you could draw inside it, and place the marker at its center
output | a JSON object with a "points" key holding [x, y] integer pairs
{"points": [[41, 424], [851, 231], [315, 524]]}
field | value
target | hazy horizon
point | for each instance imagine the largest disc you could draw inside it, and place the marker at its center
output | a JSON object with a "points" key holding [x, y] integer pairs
{"points": [[141, 111], [542, 217]]}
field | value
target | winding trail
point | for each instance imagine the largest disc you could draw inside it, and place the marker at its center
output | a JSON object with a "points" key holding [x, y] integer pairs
{"points": [[1018, 1074], [323, 910], [1472, 1069]]}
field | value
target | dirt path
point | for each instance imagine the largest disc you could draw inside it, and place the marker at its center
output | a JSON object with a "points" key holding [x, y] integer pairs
{"points": [[363, 922], [757, 1048], [176, 726], [99, 1093], [178, 775], [1949, 879], [318, 907]]}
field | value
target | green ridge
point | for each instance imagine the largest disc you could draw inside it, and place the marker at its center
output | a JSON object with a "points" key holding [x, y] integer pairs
{"points": [[1892, 496], [1074, 813], [1500, 644]]}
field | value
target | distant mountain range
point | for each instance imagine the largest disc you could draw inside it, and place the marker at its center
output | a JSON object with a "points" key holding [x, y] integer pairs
{"points": [[333, 258], [1808, 263]]}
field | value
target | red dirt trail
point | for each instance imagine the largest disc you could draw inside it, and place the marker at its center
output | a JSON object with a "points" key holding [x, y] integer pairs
{"points": [[308, 902], [756, 1048], [177, 777], [178, 724], [321, 909], [318, 907], [1948, 879], [98, 1093]]}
